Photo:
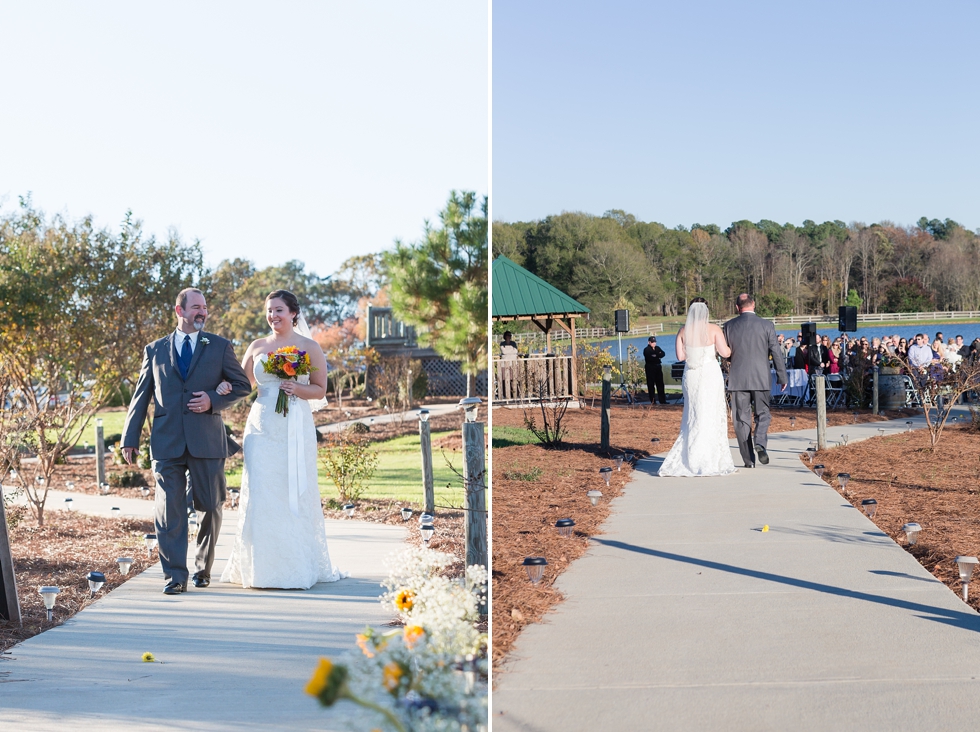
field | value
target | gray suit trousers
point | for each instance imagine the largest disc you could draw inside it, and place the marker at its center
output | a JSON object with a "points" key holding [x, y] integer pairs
{"points": [[742, 404], [208, 491]]}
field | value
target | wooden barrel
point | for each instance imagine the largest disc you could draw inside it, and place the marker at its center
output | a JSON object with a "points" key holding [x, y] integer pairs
{"points": [[891, 391]]}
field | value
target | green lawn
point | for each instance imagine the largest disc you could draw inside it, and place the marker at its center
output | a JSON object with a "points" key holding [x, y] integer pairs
{"points": [[399, 474], [112, 424], [508, 436]]}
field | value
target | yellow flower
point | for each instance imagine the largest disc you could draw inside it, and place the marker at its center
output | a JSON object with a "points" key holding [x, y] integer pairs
{"points": [[412, 634], [328, 683], [765, 528], [362, 642], [392, 676], [404, 600], [148, 657]]}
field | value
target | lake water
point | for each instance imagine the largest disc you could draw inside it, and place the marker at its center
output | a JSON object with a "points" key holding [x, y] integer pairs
{"points": [[969, 331]]}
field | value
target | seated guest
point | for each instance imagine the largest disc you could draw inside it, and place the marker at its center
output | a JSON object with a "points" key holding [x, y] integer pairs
{"points": [[800, 359], [902, 350], [920, 354]]}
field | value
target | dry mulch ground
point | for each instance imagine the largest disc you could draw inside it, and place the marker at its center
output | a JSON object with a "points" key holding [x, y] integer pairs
{"points": [[936, 488], [527, 504], [62, 553]]}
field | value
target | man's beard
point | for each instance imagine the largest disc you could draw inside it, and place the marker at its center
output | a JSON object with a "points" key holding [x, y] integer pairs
{"points": [[198, 323]]}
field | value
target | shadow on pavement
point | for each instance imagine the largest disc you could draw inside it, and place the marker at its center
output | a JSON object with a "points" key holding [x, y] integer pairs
{"points": [[955, 618]]}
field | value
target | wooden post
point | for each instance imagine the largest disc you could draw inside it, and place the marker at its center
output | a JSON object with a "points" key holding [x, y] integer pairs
{"points": [[9, 603], [606, 407], [474, 481], [874, 391], [99, 453], [821, 413], [571, 321], [425, 438]]}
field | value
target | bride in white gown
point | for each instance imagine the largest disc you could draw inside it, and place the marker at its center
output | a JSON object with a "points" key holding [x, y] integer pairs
{"points": [[702, 447], [281, 541]]}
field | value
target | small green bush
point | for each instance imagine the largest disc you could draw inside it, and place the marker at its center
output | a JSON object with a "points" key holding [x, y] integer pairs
{"points": [[126, 479]]}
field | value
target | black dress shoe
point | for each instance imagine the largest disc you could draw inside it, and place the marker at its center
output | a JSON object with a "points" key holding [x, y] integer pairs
{"points": [[763, 455], [201, 580], [175, 588], [749, 465]]}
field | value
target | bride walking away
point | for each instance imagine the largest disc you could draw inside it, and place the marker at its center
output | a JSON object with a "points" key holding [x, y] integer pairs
{"points": [[702, 447]]}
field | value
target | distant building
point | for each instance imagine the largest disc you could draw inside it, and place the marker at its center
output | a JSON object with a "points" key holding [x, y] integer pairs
{"points": [[392, 338]]}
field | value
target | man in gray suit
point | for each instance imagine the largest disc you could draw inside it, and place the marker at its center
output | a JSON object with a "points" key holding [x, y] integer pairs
{"points": [[752, 340], [179, 375]]}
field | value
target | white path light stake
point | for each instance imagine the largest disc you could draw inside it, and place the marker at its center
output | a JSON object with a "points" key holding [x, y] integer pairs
{"points": [[606, 474], [966, 565], [912, 532], [842, 479], [49, 594], [71, 485], [534, 566], [619, 462], [115, 512], [792, 423], [151, 541], [908, 426], [406, 513], [819, 470], [68, 503], [145, 490], [95, 582], [349, 509], [125, 563], [235, 494], [594, 496], [869, 506], [427, 530]]}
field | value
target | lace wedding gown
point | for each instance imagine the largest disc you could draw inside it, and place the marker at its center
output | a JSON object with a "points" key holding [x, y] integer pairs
{"points": [[702, 447], [281, 541]]}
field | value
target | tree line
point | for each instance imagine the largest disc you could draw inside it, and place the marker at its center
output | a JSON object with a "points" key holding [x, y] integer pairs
{"points": [[791, 269]]}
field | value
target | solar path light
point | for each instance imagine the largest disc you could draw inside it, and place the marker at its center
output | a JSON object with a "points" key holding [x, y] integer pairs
{"points": [[594, 497], [470, 405], [406, 513], [349, 509], [534, 566], [95, 582], [606, 474], [966, 565], [235, 494], [150, 540], [912, 532], [564, 527], [869, 506], [619, 462], [124, 564], [842, 479], [68, 503], [427, 530], [819, 470], [48, 595]]}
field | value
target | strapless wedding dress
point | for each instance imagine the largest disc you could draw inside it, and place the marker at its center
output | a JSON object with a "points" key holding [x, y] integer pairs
{"points": [[281, 541], [702, 447]]}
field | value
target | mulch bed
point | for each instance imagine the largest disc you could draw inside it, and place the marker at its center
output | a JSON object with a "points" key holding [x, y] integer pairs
{"points": [[62, 553], [526, 505], [936, 488]]}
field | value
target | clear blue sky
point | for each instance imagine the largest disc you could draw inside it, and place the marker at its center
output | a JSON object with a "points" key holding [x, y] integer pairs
{"points": [[271, 131], [711, 112]]}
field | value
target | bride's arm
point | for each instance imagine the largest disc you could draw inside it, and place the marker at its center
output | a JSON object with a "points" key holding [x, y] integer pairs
{"points": [[679, 346], [248, 363], [721, 344]]}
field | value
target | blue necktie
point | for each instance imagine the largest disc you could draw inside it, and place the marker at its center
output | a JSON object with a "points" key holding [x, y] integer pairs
{"points": [[184, 360]]}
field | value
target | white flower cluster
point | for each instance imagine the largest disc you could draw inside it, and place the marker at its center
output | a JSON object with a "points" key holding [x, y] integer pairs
{"points": [[447, 608]]}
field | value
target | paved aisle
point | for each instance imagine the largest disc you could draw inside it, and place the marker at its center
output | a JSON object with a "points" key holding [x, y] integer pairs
{"points": [[685, 616], [232, 658]]}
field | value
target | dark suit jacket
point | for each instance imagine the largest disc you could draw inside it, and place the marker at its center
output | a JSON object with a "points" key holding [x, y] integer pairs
{"points": [[175, 428], [753, 340]]}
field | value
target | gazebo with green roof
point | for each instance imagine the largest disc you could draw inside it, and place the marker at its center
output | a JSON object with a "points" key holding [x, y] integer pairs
{"points": [[519, 295]]}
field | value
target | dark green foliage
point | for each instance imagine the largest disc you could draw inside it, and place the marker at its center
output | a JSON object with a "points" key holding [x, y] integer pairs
{"points": [[772, 304], [126, 479], [909, 296]]}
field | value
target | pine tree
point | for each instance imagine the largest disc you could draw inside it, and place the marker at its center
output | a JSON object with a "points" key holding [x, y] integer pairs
{"points": [[439, 284]]}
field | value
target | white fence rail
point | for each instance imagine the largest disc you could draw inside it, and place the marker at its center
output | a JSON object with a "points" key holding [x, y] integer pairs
{"points": [[561, 335]]}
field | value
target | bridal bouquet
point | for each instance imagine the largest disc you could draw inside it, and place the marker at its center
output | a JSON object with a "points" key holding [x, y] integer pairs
{"points": [[287, 363]]}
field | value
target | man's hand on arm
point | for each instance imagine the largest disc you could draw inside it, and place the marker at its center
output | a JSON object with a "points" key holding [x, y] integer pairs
{"points": [[129, 454], [200, 403]]}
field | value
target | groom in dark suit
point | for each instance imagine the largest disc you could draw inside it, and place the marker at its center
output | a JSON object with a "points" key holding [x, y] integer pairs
{"points": [[179, 375], [752, 340]]}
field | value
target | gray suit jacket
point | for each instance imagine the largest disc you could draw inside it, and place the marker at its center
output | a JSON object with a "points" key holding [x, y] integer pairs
{"points": [[175, 428], [752, 340]]}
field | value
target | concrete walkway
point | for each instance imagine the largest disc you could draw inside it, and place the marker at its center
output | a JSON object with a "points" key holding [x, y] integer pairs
{"points": [[230, 658], [684, 615]]}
